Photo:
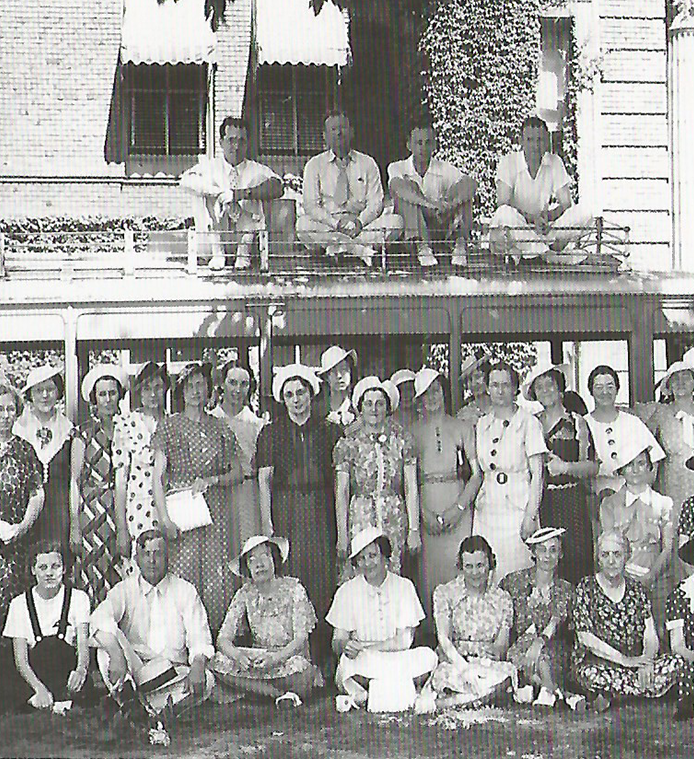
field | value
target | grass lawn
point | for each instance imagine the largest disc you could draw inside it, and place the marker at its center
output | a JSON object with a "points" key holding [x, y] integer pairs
{"points": [[250, 729]]}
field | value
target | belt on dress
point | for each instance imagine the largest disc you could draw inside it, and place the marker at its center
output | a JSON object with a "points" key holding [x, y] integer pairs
{"points": [[429, 478], [560, 486], [503, 477]]}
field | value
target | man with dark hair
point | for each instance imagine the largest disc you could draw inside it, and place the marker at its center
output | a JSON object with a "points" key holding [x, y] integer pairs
{"points": [[433, 197], [535, 215], [229, 190], [152, 636], [343, 198]]}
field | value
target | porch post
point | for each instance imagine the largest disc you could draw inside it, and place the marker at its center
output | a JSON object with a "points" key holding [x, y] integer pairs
{"points": [[641, 362]]}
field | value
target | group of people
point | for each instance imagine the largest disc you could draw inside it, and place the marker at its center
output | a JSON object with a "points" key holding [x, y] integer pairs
{"points": [[343, 199], [210, 546]]}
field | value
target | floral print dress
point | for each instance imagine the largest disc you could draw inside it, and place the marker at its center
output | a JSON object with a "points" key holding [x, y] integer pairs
{"points": [[473, 625], [376, 463], [21, 476], [679, 613], [273, 619], [621, 624]]}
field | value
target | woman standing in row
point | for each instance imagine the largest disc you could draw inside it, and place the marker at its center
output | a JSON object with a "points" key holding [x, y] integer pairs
{"points": [[197, 452], [50, 433]]}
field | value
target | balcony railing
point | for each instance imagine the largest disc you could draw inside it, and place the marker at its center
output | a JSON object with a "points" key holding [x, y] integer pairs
{"points": [[186, 253]]}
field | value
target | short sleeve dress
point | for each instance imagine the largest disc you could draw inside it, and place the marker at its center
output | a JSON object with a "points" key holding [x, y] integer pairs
{"points": [[504, 448], [473, 624], [273, 619], [204, 448], [376, 463], [21, 476], [621, 624], [679, 614]]}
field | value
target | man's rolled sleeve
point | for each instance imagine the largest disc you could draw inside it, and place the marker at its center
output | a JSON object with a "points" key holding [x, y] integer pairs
{"points": [[312, 198], [198, 635], [108, 614], [374, 194], [199, 181]]}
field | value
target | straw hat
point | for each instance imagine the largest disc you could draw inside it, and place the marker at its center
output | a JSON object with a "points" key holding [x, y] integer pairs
{"points": [[629, 450], [537, 371], [678, 366], [39, 375], [544, 534], [374, 383], [423, 381], [291, 371], [333, 356], [99, 372], [365, 538], [259, 540]]}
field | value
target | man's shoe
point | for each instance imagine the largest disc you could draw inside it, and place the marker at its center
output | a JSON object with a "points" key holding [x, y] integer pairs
{"points": [[545, 698], [216, 262], [459, 257], [365, 253], [524, 695], [576, 702], [426, 256], [242, 262]]}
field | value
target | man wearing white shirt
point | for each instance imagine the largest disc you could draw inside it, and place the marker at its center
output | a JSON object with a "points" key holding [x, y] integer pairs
{"points": [[433, 197], [535, 215], [343, 198], [229, 190], [152, 635]]}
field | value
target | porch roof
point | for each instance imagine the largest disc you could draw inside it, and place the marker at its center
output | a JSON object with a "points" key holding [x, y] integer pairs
{"points": [[288, 31], [166, 31]]}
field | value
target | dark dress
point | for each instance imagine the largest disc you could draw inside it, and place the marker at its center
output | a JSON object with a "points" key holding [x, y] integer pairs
{"points": [[565, 503], [303, 508], [54, 520], [21, 475]]}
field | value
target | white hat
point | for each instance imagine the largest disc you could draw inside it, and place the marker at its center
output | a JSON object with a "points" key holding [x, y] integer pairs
{"points": [[678, 366], [41, 374], [544, 534], [470, 364], [402, 375], [628, 450], [374, 383], [365, 538], [537, 371], [284, 373], [334, 356], [254, 542], [103, 370], [423, 381]]}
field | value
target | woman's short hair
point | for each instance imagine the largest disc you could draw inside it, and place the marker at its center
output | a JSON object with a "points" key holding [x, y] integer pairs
{"points": [[57, 380], [599, 371], [559, 381], [187, 373], [276, 560], [472, 544], [121, 389], [389, 407], [235, 363], [384, 547], [503, 366], [45, 546], [7, 389], [445, 386], [150, 371], [615, 535]]}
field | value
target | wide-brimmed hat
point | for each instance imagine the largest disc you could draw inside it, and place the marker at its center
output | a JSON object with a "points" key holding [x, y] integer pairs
{"points": [[537, 371], [291, 371], [686, 552], [41, 374], [150, 370], [469, 365], [423, 381], [629, 449], [365, 538], [544, 534], [374, 383], [99, 372], [678, 366], [334, 356], [401, 376], [259, 540]]}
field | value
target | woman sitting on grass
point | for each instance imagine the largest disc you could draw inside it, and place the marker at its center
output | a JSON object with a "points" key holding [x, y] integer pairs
{"points": [[616, 651], [48, 626], [277, 612]]}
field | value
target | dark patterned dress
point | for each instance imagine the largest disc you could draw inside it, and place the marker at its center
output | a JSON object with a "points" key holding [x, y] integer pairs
{"points": [[532, 612], [565, 501], [685, 526], [679, 613], [21, 476], [97, 567], [620, 624], [205, 448], [303, 508]]}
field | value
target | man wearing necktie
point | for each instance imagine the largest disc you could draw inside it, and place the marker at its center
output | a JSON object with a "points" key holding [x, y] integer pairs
{"points": [[343, 198], [229, 190]]}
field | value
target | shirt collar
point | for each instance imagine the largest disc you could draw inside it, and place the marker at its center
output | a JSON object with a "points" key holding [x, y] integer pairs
{"points": [[334, 159], [146, 588], [645, 497]]}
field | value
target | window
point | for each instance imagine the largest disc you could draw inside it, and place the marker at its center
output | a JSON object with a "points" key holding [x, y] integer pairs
{"points": [[167, 108], [292, 101]]}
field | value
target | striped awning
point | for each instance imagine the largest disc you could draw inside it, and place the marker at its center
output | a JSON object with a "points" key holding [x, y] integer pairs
{"points": [[166, 31], [288, 31]]}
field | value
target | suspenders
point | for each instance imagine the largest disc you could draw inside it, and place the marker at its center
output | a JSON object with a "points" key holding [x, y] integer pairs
{"points": [[62, 623]]}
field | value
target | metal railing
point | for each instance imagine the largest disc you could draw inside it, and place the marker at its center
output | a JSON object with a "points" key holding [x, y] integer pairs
{"points": [[604, 247]]}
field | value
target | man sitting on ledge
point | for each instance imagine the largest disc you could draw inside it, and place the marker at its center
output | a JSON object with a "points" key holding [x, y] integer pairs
{"points": [[152, 637], [230, 190], [433, 197], [343, 198], [535, 216]]}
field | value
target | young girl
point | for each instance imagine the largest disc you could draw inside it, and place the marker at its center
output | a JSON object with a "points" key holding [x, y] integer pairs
{"points": [[49, 628]]}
